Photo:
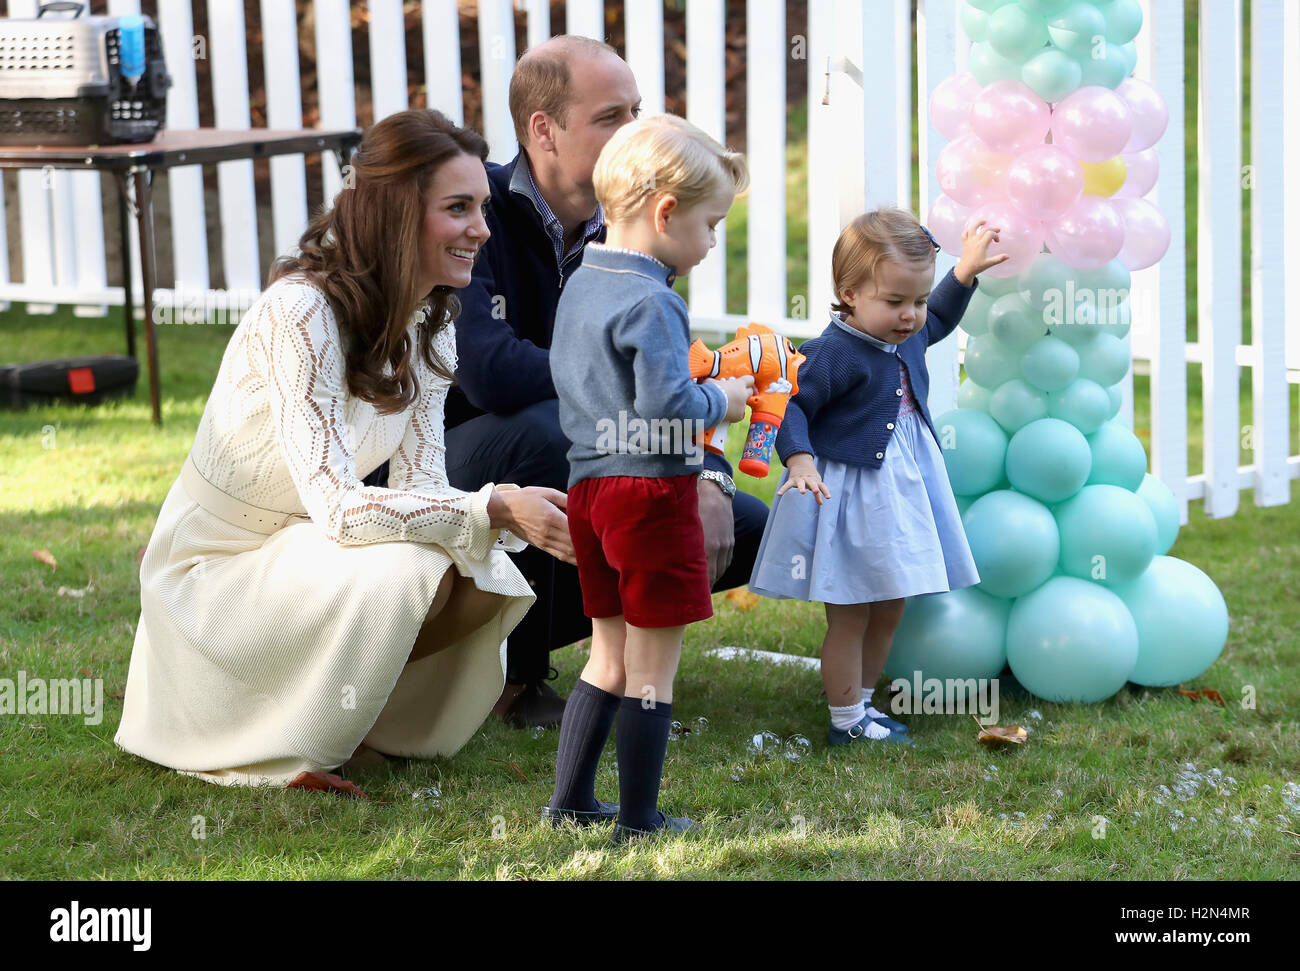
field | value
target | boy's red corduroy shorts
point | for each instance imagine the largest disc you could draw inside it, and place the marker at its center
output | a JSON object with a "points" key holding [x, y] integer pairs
{"points": [[640, 549]]}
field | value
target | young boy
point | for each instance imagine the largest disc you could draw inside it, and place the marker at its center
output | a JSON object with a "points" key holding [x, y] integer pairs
{"points": [[630, 409]]}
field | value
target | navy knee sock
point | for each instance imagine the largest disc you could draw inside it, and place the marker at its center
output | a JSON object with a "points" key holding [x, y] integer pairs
{"points": [[642, 741], [588, 716]]}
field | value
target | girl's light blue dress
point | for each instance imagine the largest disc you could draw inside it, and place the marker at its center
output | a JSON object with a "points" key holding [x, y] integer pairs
{"points": [[884, 533]]}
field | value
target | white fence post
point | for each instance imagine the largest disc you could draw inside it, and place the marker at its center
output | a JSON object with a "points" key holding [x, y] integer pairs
{"points": [[338, 107], [185, 182], [706, 41], [1271, 435], [1160, 45], [1219, 248], [234, 179], [938, 37], [585, 17], [440, 23], [496, 53], [644, 31], [284, 110], [387, 58], [765, 151]]}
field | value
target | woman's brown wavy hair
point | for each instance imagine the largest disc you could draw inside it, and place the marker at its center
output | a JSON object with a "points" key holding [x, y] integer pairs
{"points": [[364, 254]]}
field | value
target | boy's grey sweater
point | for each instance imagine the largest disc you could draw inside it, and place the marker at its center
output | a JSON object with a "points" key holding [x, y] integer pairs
{"points": [[618, 358]]}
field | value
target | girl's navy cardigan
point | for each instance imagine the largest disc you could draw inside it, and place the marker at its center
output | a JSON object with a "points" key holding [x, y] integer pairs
{"points": [[849, 389]]}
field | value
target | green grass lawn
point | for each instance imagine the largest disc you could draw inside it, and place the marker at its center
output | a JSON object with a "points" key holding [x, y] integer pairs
{"points": [[86, 484]]}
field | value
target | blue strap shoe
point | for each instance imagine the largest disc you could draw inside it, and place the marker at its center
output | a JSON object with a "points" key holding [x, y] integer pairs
{"points": [[605, 812], [858, 733], [889, 723]]}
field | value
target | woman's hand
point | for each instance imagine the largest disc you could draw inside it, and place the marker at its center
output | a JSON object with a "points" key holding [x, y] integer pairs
{"points": [[536, 515], [975, 260], [803, 476]]}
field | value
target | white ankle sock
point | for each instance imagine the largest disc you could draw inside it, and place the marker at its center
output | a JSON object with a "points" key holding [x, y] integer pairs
{"points": [[866, 700], [842, 719]]}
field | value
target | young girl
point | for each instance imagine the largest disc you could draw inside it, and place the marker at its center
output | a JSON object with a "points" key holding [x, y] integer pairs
{"points": [[881, 523]]}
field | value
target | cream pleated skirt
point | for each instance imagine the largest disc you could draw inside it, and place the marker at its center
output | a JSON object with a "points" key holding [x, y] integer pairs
{"points": [[258, 657]]}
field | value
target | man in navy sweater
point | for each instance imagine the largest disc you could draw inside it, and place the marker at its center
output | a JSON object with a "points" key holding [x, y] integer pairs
{"points": [[567, 97]]}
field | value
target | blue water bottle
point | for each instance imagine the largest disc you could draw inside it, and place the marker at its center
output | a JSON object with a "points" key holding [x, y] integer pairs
{"points": [[131, 47]]}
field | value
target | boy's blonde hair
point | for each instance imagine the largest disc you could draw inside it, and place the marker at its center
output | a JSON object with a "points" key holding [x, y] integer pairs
{"points": [[881, 234], [663, 153]]}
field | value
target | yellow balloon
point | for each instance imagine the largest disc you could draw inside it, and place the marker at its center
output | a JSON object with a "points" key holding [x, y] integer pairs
{"points": [[1104, 178]]}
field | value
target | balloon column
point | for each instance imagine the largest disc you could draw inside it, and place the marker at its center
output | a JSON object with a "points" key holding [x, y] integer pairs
{"points": [[1052, 141]]}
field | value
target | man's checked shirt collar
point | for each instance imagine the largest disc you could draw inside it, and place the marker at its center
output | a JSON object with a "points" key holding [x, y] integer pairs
{"points": [[522, 182]]}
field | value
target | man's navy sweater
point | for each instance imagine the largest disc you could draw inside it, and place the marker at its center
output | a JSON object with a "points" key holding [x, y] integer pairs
{"points": [[849, 389], [507, 318]]}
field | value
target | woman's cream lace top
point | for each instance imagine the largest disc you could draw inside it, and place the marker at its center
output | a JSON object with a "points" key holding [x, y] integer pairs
{"points": [[281, 431]]}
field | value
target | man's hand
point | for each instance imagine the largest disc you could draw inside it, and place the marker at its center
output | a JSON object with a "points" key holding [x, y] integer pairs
{"points": [[536, 515], [719, 528]]}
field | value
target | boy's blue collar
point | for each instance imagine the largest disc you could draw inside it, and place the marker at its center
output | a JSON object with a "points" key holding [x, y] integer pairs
{"points": [[627, 260]]}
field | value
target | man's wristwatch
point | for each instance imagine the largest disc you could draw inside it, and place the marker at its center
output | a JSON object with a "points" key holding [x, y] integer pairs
{"points": [[724, 481]]}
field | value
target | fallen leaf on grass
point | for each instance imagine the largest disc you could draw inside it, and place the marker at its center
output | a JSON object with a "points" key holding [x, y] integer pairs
{"points": [[995, 736], [326, 782], [45, 556], [513, 766], [743, 599], [1207, 693]]}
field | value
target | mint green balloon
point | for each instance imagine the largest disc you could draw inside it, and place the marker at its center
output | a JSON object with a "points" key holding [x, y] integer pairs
{"points": [[1123, 20], [1182, 622], [1048, 459], [990, 363], [972, 396], [1016, 404], [1045, 8], [1052, 75], [1071, 640], [1108, 535], [1164, 507], [964, 503], [1050, 364], [1013, 322], [959, 634], [1104, 359], [988, 65], [1130, 56], [1118, 457], [1116, 395], [1045, 284], [1083, 403], [1111, 283], [1107, 67], [1015, 33], [973, 447], [975, 320], [988, 6], [1014, 541], [974, 22], [998, 286], [1073, 29]]}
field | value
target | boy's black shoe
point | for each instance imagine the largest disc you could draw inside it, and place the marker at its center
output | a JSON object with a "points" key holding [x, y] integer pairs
{"points": [[667, 824], [605, 812]]}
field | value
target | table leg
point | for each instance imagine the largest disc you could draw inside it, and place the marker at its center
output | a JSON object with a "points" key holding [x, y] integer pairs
{"points": [[144, 220], [124, 224]]}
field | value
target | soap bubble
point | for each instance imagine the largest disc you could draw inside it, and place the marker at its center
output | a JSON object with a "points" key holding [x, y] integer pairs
{"points": [[431, 794], [796, 747], [765, 743]]}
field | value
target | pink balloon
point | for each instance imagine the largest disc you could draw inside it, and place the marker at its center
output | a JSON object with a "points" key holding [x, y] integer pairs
{"points": [[1019, 236], [1142, 170], [946, 220], [1093, 124], [1149, 111], [951, 101], [1044, 182], [1089, 235], [1146, 233], [969, 172], [1009, 117]]}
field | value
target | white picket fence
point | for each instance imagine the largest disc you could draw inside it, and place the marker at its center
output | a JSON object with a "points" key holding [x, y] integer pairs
{"points": [[859, 144]]}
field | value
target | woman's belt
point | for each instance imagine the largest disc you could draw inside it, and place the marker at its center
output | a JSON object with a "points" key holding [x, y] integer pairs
{"points": [[228, 508]]}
